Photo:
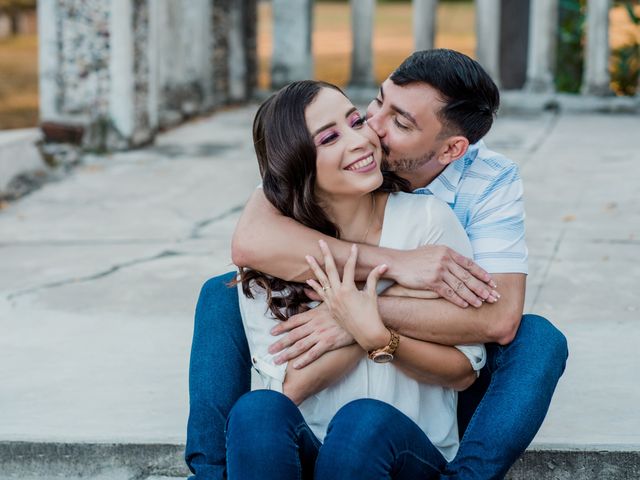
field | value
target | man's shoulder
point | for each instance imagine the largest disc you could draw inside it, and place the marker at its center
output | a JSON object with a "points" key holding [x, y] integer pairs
{"points": [[484, 168], [483, 159]]}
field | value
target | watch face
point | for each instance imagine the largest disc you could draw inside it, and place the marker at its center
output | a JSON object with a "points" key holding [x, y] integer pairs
{"points": [[383, 357]]}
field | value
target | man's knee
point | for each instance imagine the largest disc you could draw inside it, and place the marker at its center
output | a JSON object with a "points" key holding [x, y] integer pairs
{"points": [[543, 341]]}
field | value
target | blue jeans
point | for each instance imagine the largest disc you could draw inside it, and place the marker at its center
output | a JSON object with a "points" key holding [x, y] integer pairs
{"points": [[498, 416], [267, 439]]}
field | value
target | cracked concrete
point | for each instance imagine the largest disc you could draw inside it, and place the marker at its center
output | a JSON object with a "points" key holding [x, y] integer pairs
{"points": [[100, 273]]}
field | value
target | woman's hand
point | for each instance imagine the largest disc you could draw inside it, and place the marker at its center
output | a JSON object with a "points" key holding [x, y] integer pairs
{"points": [[397, 290], [355, 310]]}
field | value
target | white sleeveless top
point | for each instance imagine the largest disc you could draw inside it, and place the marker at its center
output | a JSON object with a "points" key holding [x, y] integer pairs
{"points": [[409, 222]]}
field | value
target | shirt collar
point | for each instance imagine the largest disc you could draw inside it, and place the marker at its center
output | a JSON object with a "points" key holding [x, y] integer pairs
{"points": [[445, 185]]}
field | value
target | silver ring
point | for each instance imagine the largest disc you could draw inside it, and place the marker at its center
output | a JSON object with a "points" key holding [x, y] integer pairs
{"points": [[324, 289]]}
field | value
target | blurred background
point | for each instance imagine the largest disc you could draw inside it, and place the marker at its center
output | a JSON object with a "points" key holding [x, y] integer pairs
{"points": [[126, 160], [332, 44]]}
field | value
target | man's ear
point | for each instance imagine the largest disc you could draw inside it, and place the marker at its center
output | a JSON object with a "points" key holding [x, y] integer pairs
{"points": [[452, 149]]}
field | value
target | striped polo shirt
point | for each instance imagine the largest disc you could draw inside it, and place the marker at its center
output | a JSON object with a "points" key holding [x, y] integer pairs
{"points": [[484, 189]]}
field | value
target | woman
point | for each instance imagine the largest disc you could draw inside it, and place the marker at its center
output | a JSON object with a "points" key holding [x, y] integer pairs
{"points": [[384, 407]]}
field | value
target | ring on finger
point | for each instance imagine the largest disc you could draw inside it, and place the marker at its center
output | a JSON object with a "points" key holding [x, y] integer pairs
{"points": [[325, 288], [459, 286]]}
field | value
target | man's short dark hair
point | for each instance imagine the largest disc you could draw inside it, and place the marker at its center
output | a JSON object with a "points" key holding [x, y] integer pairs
{"points": [[471, 97]]}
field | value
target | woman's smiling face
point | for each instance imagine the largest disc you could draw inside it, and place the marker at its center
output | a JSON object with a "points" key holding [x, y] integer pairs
{"points": [[348, 151]]}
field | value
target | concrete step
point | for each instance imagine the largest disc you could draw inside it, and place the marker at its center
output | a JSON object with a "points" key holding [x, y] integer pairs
{"points": [[110, 461]]}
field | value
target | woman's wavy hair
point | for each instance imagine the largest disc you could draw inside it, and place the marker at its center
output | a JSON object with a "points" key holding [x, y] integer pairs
{"points": [[287, 160]]}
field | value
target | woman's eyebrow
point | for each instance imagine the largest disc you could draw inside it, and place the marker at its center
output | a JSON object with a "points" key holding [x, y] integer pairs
{"points": [[331, 124]]}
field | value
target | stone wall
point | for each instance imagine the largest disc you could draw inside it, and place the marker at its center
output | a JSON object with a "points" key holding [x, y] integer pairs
{"points": [[113, 72]]}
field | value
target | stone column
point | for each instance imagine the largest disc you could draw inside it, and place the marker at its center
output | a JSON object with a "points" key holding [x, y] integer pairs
{"points": [[596, 66], [362, 12], [543, 27], [48, 59], [488, 37], [424, 23], [292, 58]]}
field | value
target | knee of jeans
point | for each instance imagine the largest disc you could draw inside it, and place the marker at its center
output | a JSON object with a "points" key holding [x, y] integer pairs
{"points": [[215, 285], [259, 408], [364, 419], [548, 343]]}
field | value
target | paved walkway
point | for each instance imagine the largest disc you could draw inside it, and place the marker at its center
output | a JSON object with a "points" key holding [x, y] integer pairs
{"points": [[100, 272]]}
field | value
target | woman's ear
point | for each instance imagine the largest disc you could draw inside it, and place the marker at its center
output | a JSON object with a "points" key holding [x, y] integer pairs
{"points": [[452, 149]]}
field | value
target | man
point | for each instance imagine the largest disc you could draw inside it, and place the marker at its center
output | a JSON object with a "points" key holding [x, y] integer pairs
{"points": [[430, 115]]}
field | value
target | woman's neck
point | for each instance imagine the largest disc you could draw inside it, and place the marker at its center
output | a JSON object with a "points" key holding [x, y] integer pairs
{"points": [[357, 218]]}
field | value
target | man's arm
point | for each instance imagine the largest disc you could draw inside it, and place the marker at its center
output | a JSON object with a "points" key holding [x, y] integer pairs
{"points": [[263, 241], [441, 322]]}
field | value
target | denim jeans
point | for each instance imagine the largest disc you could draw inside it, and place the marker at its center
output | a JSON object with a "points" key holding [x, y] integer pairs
{"points": [[498, 416], [267, 439]]}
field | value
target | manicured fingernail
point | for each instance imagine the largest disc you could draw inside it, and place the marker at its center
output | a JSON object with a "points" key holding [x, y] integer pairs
{"points": [[495, 294], [493, 284], [477, 303], [296, 365], [465, 305]]}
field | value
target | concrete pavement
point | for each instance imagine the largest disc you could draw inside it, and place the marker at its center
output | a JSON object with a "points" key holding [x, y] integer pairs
{"points": [[100, 272]]}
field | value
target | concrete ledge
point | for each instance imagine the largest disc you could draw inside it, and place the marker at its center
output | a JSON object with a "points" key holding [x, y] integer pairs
{"points": [[32, 460], [18, 154]]}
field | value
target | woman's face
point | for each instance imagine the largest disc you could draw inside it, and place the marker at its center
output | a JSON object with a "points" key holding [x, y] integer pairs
{"points": [[348, 151]]}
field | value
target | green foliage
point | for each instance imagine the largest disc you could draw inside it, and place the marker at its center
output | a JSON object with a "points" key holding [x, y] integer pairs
{"points": [[570, 53], [625, 60]]}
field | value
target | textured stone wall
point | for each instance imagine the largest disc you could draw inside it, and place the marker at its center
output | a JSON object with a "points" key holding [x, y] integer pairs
{"points": [[114, 72]]}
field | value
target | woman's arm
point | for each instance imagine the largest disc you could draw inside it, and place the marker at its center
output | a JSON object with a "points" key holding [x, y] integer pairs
{"points": [[300, 384]]}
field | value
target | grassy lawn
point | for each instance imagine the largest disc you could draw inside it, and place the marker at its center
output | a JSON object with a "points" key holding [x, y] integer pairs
{"points": [[19, 82]]}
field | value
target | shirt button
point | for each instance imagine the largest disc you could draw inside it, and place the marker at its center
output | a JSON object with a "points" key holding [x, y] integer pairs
{"points": [[254, 360]]}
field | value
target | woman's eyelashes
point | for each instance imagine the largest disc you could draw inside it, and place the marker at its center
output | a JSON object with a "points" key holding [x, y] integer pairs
{"points": [[356, 121]]}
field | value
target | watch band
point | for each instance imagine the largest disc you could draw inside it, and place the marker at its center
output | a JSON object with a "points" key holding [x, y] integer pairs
{"points": [[385, 354]]}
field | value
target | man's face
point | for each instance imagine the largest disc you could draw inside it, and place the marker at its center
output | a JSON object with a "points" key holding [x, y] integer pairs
{"points": [[405, 119]]}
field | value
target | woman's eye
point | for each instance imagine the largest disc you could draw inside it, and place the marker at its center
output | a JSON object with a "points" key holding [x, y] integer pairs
{"points": [[328, 138], [358, 122]]}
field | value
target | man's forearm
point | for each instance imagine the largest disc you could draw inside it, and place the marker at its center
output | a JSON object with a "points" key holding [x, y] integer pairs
{"points": [[442, 322], [267, 241]]}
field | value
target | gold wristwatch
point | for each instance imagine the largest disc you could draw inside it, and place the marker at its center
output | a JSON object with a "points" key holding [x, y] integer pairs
{"points": [[385, 354]]}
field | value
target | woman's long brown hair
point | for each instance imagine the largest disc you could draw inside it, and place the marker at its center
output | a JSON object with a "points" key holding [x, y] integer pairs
{"points": [[287, 160]]}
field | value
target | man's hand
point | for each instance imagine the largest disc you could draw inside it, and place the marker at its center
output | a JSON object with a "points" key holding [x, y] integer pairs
{"points": [[311, 334], [440, 269]]}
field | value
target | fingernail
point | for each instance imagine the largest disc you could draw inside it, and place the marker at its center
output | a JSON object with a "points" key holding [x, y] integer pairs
{"points": [[493, 284], [495, 294], [477, 303], [296, 365], [465, 305]]}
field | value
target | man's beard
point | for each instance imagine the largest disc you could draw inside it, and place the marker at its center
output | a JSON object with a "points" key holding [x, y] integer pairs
{"points": [[405, 164]]}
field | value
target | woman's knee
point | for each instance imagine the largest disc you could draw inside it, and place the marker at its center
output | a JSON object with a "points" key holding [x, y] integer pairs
{"points": [[365, 419], [260, 409]]}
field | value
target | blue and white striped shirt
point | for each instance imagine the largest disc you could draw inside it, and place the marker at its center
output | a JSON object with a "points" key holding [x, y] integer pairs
{"points": [[484, 189]]}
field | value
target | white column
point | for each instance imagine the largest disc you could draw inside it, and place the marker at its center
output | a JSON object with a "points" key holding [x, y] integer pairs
{"points": [[292, 26], [121, 69], [488, 36], [541, 57], [596, 66], [362, 13], [48, 59], [424, 23]]}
